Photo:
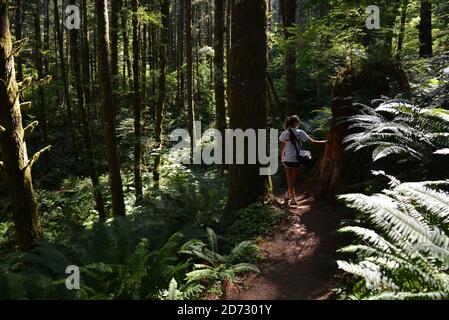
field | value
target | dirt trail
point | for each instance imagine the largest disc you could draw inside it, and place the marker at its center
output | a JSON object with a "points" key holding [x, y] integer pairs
{"points": [[298, 261]]}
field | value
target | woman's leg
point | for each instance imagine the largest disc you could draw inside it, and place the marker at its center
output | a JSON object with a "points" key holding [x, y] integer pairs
{"points": [[295, 172], [288, 172]]}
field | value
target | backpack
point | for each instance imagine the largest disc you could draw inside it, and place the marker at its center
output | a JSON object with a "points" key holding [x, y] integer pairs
{"points": [[304, 156]]}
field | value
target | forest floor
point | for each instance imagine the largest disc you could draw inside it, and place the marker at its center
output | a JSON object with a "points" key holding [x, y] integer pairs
{"points": [[298, 261]]}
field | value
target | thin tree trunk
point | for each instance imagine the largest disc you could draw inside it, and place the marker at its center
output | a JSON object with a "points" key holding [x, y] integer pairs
{"points": [[248, 96], [115, 12], [86, 61], [189, 57], [47, 37], [165, 11], [15, 163], [425, 29], [87, 132], [64, 76], [228, 44], [288, 8], [107, 108], [40, 75], [219, 66], [137, 105], [124, 20], [144, 66], [180, 51], [402, 28]]}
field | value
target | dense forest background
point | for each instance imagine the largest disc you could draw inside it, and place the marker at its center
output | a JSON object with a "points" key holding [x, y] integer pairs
{"points": [[89, 177]]}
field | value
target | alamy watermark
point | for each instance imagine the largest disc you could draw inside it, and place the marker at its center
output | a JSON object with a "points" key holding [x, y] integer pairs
{"points": [[235, 147], [73, 19], [72, 282], [373, 20]]}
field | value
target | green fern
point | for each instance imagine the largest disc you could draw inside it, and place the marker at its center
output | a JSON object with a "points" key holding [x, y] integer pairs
{"points": [[397, 128], [408, 256], [215, 269]]}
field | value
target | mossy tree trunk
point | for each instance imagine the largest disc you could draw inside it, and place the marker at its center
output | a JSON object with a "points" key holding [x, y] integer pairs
{"points": [[248, 95], [107, 108], [15, 164]]}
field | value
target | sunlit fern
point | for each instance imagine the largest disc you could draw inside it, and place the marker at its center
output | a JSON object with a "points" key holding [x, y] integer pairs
{"points": [[398, 128], [405, 254]]}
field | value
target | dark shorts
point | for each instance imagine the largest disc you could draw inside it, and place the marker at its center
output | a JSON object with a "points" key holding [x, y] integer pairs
{"points": [[292, 165]]}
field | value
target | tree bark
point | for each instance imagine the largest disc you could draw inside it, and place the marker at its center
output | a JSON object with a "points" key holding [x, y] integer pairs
{"points": [[425, 30], [87, 132], [248, 95], [161, 95], [16, 165], [219, 66], [137, 105], [189, 75], [107, 108], [288, 8]]}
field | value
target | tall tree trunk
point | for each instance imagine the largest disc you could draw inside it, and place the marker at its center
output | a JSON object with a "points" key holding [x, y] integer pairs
{"points": [[107, 108], [124, 20], [144, 58], [402, 28], [16, 165], [228, 45], [189, 75], [18, 30], [425, 30], [161, 95], [248, 95], [219, 66], [64, 76], [115, 12], [153, 66], [137, 105], [47, 37], [180, 52], [40, 75], [288, 8], [86, 60], [87, 132]]}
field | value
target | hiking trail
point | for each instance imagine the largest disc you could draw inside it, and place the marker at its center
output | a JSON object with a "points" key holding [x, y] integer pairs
{"points": [[298, 261]]}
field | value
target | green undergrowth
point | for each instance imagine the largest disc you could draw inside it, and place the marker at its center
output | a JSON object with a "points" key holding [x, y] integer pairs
{"points": [[169, 237]]}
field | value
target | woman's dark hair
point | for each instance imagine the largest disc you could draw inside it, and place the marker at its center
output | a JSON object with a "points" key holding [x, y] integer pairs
{"points": [[291, 122]]}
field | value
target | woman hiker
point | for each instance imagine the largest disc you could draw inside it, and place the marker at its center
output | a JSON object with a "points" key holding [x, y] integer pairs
{"points": [[293, 155]]}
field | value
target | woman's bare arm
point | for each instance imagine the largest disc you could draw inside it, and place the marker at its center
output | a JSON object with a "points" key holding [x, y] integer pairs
{"points": [[317, 141]]}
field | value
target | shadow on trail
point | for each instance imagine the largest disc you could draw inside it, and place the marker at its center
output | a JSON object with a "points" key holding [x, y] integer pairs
{"points": [[299, 260]]}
